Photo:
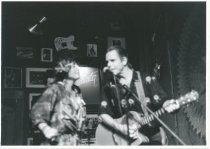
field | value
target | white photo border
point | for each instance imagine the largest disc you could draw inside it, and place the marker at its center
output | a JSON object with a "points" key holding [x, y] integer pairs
{"points": [[43, 54], [31, 96], [28, 77]]}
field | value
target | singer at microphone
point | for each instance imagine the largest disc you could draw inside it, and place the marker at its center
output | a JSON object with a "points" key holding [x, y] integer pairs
{"points": [[105, 69], [108, 75], [118, 73]]}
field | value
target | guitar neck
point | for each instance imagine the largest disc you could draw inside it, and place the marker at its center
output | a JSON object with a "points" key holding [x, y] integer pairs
{"points": [[187, 98], [147, 119]]}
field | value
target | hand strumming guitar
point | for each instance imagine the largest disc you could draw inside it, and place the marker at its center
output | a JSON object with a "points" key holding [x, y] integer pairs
{"points": [[133, 132]]}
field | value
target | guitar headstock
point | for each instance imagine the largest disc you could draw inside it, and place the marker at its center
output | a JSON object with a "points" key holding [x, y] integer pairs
{"points": [[189, 97]]}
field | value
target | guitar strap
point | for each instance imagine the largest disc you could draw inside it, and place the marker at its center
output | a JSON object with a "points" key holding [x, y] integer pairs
{"points": [[141, 94]]}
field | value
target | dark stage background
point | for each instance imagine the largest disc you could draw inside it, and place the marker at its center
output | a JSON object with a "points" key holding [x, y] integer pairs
{"points": [[173, 34]]}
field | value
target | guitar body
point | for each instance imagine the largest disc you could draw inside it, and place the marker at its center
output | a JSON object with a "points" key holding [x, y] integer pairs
{"points": [[105, 135]]}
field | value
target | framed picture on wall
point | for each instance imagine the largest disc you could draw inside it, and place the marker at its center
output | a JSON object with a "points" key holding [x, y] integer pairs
{"points": [[33, 97], [30, 141], [90, 125], [92, 121], [116, 41], [92, 50], [46, 54], [13, 77], [36, 77], [25, 53]]}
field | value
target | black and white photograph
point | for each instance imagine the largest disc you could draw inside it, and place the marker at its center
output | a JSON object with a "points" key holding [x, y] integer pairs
{"points": [[13, 77], [104, 73], [92, 50], [36, 77], [25, 53], [116, 41], [46, 55]]}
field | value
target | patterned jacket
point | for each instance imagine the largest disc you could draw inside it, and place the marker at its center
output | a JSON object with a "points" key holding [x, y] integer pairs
{"points": [[62, 110]]}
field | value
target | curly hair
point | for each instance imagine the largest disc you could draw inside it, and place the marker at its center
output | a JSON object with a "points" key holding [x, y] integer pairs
{"points": [[63, 65]]}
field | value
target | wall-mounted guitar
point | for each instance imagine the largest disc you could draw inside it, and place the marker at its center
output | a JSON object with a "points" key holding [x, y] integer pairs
{"points": [[65, 43], [107, 136]]}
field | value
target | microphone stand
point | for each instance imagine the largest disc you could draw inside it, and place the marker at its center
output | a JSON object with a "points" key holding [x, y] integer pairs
{"points": [[126, 107], [125, 87]]}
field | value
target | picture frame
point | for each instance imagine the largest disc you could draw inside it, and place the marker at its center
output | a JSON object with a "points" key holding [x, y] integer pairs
{"points": [[30, 141], [33, 97], [25, 53], [91, 122], [13, 77], [90, 125], [36, 77], [46, 54], [92, 50], [116, 41]]}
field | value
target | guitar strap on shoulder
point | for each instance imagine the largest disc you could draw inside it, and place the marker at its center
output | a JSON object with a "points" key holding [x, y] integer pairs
{"points": [[141, 94]]}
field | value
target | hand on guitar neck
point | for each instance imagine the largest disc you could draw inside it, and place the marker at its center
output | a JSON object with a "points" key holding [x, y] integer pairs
{"points": [[171, 105]]}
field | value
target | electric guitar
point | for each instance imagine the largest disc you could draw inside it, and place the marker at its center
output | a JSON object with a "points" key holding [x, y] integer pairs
{"points": [[105, 135], [64, 43]]}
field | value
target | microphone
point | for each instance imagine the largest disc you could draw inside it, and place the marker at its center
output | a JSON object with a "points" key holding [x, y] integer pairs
{"points": [[106, 69], [108, 75]]}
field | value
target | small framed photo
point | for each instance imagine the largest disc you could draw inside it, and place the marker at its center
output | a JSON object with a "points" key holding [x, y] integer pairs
{"points": [[92, 50], [33, 97], [13, 77], [116, 41], [25, 53], [46, 55], [91, 121], [36, 77]]}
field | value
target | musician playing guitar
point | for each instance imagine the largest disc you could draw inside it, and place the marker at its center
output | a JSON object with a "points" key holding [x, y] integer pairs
{"points": [[119, 101]]}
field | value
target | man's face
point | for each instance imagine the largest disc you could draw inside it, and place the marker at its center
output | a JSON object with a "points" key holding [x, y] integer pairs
{"points": [[114, 62]]}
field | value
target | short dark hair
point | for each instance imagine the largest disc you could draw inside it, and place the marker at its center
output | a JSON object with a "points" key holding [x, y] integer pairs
{"points": [[121, 51]]}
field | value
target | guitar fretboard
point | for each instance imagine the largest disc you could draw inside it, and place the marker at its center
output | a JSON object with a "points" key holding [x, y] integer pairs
{"points": [[187, 98], [145, 120]]}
